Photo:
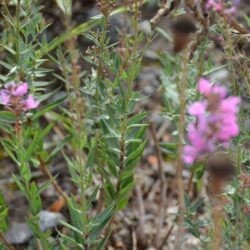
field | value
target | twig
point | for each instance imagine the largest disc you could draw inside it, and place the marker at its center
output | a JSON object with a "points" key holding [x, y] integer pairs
{"points": [[162, 129], [45, 170], [199, 37], [190, 182], [134, 240], [153, 189], [182, 85], [234, 24], [6, 243], [196, 8], [141, 209], [164, 11], [166, 236], [163, 185]]}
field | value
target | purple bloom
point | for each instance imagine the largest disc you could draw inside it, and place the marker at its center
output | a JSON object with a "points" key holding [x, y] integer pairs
{"points": [[216, 121], [204, 86], [20, 90], [30, 103], [215, 5], [15, 96], [197, 108], [231, 11], [4, 97], [189, 154], [223, 6]]}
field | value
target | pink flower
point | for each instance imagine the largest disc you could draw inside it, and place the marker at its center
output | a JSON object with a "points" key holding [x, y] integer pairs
{"points": [[4, 97], [196, 137], [219, 90], [20, 90], [189, 154], [197, 108], [221, 6], [230, 105], [15, 97], [213, 4], [30, 103], [216, 121], [204, 86], [231, 11]]}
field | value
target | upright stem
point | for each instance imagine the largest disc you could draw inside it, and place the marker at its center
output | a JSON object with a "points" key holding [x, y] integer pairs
{"points": [[77, 106], [182, 86], [230, 56], [163, 187], [18, 8]]}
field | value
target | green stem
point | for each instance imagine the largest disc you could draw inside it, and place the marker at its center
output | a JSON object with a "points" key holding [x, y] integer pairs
{"points": [[17, 39], [24, 163], [182, 86]]}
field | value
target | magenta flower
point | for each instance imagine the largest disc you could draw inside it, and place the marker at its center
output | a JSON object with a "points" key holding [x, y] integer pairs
{"points": [[4, 97], [216, 121], [204, 87], [15, 97], [20, 90], [197, 108], [30, 103], [207, 89], [215, 5], [222, 6]]}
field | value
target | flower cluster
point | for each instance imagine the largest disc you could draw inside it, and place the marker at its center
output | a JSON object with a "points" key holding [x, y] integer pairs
{"points": [[16, 96], [221, 6], [216, 121]]}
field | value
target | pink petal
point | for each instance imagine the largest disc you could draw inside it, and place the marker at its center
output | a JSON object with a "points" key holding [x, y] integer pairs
{"points": [[195, 137], [20, 90], [30, 103], [219, 90], [230, 105], [217, 7], [197, 108], [204, 86], [227, 132], [202, 123], [231, 11], [4, 97], [10, 85], [212, 4], [189, 154]]}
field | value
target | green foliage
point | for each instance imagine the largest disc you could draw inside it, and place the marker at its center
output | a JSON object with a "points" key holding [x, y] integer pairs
{"points": [[194, 225], [237, 218], [89, 120], [3, 214]]}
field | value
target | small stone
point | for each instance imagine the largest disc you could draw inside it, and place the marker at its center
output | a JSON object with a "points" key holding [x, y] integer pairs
{"points": [[18, 233]]}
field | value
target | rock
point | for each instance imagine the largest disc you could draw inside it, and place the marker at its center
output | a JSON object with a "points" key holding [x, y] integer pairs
{"points": [[19, 233], [49, 219]]}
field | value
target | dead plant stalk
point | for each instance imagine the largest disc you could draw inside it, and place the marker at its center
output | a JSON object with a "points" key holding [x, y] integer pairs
{"points": [[163, 187]]}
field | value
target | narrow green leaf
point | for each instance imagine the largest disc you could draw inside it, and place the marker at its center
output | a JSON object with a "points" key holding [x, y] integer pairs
{"points": [[9, 151], [37, 140], [3, 214], [48, 108], [100, 221]]}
